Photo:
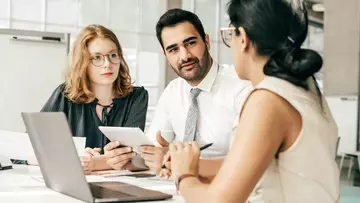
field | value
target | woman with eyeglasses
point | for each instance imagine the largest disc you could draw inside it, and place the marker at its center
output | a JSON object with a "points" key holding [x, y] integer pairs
{"points": [[284, 148], [98, 92]]}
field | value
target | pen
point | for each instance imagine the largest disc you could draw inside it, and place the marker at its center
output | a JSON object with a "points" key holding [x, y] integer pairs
{"points": [[201, 148]]}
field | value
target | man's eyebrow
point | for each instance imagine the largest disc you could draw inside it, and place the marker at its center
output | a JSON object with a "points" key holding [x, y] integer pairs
{"points": [[184, 41], [189, 39], [170, 47]]}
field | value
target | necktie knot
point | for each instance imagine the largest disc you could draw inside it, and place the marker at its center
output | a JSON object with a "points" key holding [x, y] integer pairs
{"points": [[194, 93]]}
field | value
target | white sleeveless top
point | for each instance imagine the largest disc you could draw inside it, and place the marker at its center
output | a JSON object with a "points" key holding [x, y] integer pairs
{"points": [[306, 172]]}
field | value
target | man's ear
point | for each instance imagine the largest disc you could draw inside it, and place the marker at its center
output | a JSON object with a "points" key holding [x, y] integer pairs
{"points": [[207, 41]]}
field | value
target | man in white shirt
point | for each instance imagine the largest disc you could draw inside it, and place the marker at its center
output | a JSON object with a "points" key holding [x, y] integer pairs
{"points": [[217, 103]]}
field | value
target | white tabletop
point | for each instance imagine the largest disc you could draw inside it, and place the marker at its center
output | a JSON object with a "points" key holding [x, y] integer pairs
{"points": [[24, 184]]}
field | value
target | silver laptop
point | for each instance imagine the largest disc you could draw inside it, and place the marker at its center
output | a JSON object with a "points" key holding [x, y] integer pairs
{"points": [[55, 151]]}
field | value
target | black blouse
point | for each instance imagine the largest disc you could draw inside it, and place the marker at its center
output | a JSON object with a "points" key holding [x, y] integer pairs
{"points": [[129, 111]]}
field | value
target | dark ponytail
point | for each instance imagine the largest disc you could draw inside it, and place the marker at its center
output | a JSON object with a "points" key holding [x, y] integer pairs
{"points": [[294, 65], [277, 30], [291, 62]]}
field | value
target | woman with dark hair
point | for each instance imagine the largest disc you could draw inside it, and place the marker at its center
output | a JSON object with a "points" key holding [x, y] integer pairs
{"points": [[284, 148]]}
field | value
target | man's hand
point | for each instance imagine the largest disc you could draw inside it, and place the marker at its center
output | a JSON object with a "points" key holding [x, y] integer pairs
{"points": [[166, 172], [153, 156], [118, 157]]}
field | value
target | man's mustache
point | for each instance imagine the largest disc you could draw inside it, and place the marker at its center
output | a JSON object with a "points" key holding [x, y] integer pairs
{"points": [[195, 60]]}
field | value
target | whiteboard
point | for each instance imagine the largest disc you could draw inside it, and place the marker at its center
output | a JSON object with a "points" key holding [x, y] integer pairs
{"points": [[344, 110], [31, 68]]}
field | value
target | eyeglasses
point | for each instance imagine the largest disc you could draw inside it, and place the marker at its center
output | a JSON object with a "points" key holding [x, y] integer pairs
{"points": [[226, 35], [99, 59]]}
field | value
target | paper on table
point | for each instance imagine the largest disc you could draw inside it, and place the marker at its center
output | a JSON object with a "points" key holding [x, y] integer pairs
{"points": [[79, 144], [17, 145]]}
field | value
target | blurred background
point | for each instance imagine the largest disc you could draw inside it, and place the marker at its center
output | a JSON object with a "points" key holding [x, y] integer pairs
{"points": [[334, 32], [133, 21]]}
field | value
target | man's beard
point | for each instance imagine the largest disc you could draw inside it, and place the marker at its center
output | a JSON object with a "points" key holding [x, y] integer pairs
{"points": [[198, 72]]}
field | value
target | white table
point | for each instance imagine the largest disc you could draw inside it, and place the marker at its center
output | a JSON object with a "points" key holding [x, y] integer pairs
{"points": [[24, 184]]}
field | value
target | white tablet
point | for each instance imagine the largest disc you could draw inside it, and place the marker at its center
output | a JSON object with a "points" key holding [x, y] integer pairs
{"points": [[132, 137]]}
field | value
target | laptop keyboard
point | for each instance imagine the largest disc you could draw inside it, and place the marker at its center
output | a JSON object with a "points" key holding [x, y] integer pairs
{"points": [[101, 192]]}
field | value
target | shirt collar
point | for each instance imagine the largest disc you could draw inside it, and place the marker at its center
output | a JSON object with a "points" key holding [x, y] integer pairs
{"points": [[207, 83]]}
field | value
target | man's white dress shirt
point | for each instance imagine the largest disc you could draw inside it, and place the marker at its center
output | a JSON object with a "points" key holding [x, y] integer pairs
{"points": [[219, 105]]}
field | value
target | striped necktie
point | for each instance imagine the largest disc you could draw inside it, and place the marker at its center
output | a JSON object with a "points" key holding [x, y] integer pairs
{"points": [[192, 115]]}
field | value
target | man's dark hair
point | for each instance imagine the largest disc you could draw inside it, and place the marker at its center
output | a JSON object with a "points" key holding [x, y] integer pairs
{"points": [[175, 16]]}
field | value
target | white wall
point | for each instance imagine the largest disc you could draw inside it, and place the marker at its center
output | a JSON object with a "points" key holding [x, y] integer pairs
{"points": [[133, 21]]}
